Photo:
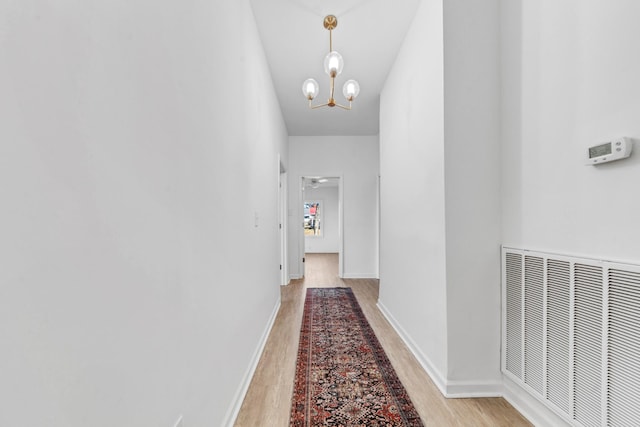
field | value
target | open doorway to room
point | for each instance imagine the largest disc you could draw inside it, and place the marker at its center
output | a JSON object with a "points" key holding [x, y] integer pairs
{"points": [[322, 219]]}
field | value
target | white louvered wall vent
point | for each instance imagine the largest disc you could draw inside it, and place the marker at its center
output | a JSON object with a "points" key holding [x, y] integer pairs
{"points": [[571, 335]]}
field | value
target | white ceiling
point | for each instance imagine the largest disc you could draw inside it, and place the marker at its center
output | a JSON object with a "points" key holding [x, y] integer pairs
{"points": [[368, 35]]}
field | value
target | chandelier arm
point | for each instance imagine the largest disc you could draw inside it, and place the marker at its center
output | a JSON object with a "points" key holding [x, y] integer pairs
{"points": [[313, 107], [343, 107]]}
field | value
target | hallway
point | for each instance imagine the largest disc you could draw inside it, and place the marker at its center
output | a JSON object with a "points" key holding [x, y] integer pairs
{"points": [[147, 225], [268, 399]]}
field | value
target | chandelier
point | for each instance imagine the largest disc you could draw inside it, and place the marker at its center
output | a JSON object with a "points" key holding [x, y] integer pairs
{"points": [[333, 64]]}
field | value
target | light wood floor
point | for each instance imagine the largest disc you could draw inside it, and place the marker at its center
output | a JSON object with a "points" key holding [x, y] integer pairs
{"points": [[268, 400]]}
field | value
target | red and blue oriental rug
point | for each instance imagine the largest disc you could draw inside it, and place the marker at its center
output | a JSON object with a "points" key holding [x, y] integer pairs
{"points": [[343, 376]]}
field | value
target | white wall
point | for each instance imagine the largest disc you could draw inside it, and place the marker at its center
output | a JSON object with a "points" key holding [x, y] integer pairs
{"points": [[472, 193], [570, 79], [129, 191], [328, 241], [440, 180], [572, 73], [356, 160], [412, 234]]}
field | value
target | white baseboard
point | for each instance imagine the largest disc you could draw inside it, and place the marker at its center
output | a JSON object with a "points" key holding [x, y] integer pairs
{"points": [[233, 411], [424, 361], [532, 409], [449, 389], [466, 389], [294, 277], [360, 276]]}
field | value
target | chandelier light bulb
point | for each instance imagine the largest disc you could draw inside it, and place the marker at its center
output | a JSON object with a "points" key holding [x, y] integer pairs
{"points": [[351, 89], [310, 89], [333, 64]]}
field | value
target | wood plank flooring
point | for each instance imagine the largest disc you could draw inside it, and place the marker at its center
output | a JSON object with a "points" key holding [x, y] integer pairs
{"points": [[268, 400]]}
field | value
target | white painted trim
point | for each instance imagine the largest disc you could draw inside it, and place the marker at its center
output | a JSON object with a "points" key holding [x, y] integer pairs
{"points": [[294, 277], [530, 407], [449, 389], [341, 226], [283, 220], [360, 276], [299, 218], [234, 409], [568, 256], [467, 389], [424, 361]]}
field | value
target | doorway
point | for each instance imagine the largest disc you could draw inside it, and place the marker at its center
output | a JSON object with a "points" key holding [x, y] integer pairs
{"points": [[321, 205]]}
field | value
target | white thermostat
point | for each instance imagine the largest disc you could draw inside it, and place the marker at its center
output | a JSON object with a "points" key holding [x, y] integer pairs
{"points": [[609, 151]]}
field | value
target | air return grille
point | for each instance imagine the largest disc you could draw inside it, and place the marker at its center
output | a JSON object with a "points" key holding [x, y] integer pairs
{"points": [[533, 324], [571, 335], [558, 325], [623, 368], [587, 348], [514, 314]]}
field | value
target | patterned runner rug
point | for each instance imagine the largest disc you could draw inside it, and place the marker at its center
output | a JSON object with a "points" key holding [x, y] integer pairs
{"points": [[343, 377]]}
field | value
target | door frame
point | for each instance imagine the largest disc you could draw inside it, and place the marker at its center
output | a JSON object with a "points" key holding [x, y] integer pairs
{"points": [[282, 230], [300, 219], [283, 226]]}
